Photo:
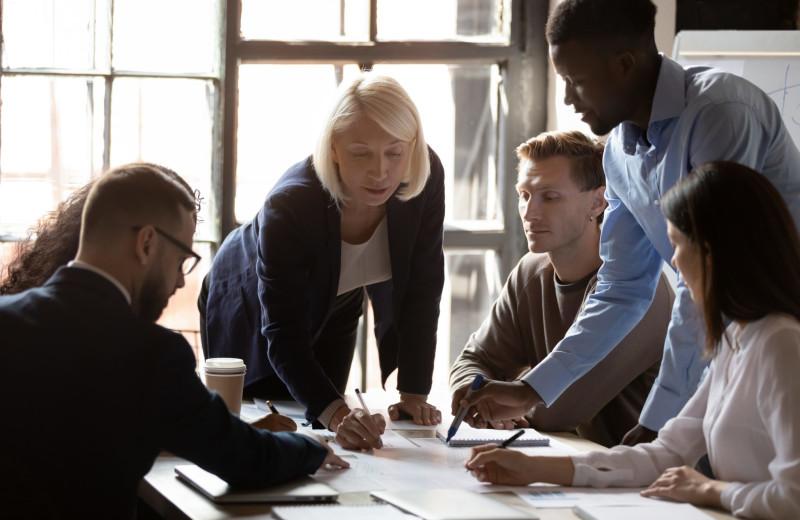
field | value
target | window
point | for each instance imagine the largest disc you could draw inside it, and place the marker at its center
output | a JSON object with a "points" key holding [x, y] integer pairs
{"points": [[93, 83], [230, 93]]}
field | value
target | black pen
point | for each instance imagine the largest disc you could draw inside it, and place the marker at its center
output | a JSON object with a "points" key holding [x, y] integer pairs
{"points": [[506, 443], [272, 407]]}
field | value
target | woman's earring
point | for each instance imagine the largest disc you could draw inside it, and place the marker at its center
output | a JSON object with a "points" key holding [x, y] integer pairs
{"points": [[591, 218]]}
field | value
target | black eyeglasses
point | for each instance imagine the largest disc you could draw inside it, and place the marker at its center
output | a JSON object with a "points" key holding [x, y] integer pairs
{"points": [[190, 262]]}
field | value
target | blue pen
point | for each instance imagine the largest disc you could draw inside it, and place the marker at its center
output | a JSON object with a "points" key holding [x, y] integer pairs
{"points": [[462, 411]]}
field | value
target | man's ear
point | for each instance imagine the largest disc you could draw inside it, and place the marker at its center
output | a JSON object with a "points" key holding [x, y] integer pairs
{"points": [[145, 244], [623, 64], [599, 201]]}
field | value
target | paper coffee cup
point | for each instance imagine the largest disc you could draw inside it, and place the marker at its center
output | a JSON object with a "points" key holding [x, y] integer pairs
{"points": [[226, 377]]}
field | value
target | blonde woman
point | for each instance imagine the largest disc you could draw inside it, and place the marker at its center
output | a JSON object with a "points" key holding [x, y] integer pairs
{"points": [[285, 291]]}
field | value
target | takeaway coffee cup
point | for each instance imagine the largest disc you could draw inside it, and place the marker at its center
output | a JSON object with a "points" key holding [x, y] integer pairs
{"points": [[226, 377]]}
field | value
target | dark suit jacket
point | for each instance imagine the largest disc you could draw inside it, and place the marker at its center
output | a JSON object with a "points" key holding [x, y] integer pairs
{"points": [[91, 394], [274, 280]]}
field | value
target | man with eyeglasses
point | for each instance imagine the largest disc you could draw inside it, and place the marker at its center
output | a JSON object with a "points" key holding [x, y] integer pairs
{"points": [[93, 389]]}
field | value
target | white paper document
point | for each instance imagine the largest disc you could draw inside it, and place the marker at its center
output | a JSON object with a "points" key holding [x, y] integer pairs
{"points": [[402, 464], [662, 511], [541, 496]]}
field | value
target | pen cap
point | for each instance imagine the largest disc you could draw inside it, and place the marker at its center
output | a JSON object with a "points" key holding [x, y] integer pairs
{"points": [[477, 382]]}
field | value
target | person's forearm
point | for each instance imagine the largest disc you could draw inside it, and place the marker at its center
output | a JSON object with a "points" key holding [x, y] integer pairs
{"points": [[553, 470], [712, 493]]}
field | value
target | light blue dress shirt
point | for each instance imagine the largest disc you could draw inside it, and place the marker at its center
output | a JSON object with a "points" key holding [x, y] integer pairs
{"points": [[698, 115]]}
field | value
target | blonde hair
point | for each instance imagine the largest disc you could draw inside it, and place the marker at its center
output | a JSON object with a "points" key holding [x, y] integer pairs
{"points": [[382, 99]]}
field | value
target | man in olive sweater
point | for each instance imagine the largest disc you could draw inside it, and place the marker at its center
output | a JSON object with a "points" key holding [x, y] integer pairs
{"points": [[561, 186]]}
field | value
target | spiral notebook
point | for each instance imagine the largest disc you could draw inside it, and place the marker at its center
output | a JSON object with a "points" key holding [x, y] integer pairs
{"points": [[469, 436]]}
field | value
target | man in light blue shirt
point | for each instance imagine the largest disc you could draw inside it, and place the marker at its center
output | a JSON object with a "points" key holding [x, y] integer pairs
{"points": [[664, 120]]}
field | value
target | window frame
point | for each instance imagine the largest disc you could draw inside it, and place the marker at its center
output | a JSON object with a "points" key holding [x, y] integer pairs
{"points": [[109, 74]]}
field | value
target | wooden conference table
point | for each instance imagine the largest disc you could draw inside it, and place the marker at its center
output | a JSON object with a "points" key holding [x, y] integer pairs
{"points": [[174, 500]]}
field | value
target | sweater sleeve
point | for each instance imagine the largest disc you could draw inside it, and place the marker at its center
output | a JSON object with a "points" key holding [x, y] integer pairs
{"points": [[495, 349], [680, 442]]}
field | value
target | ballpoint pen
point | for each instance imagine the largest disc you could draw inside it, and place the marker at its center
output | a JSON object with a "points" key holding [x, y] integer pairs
{"points": [[462, 411], [364, 406], [272, 407], [506, 443]]}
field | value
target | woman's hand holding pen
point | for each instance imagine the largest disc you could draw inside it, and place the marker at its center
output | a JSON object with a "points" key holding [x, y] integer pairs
{"points": [[421, 411], [359, 430], [496, 465]]}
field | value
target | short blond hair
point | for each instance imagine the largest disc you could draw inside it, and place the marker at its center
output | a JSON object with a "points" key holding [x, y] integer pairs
{"points": [[585, 153], [382, 99]]}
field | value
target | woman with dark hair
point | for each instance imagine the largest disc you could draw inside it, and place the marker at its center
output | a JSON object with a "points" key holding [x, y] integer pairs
{"points": [[737, 249], [54, 240]]}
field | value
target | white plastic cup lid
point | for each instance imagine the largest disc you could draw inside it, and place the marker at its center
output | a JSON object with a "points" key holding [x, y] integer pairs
{"points": [[224, 362]]}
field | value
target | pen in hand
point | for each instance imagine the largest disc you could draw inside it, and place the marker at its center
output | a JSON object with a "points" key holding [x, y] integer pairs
{"points": [[364, 406], [506, 443], [462, 411], [272, 407]]}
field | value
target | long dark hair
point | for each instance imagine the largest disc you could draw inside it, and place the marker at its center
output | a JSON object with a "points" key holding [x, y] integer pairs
{"points": [[743, 227], [54, 240]]}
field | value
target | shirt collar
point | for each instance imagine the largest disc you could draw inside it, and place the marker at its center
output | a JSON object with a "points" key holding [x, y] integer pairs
{"points": [[89, 267], [669, 100]]}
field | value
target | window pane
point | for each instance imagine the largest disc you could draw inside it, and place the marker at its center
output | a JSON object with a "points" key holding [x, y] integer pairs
{"points": [[473, 284], [168, 122], [54, 34], [175, 36], [331, 20], [457, 106], [50, 135], [440, 20], [281, 111]]}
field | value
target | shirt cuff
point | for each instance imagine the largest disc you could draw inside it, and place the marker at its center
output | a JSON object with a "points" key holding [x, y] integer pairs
{"points": [[328, 413], [549, 378], [728, 495], [586, 475], [661, 406]]}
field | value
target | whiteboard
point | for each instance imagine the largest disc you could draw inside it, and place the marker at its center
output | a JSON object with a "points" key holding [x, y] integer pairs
{"points": [[769, 59]]}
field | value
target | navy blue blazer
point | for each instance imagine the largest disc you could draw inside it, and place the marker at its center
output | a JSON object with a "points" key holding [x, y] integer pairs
{"points": [[91, 394], [274, 280]]}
